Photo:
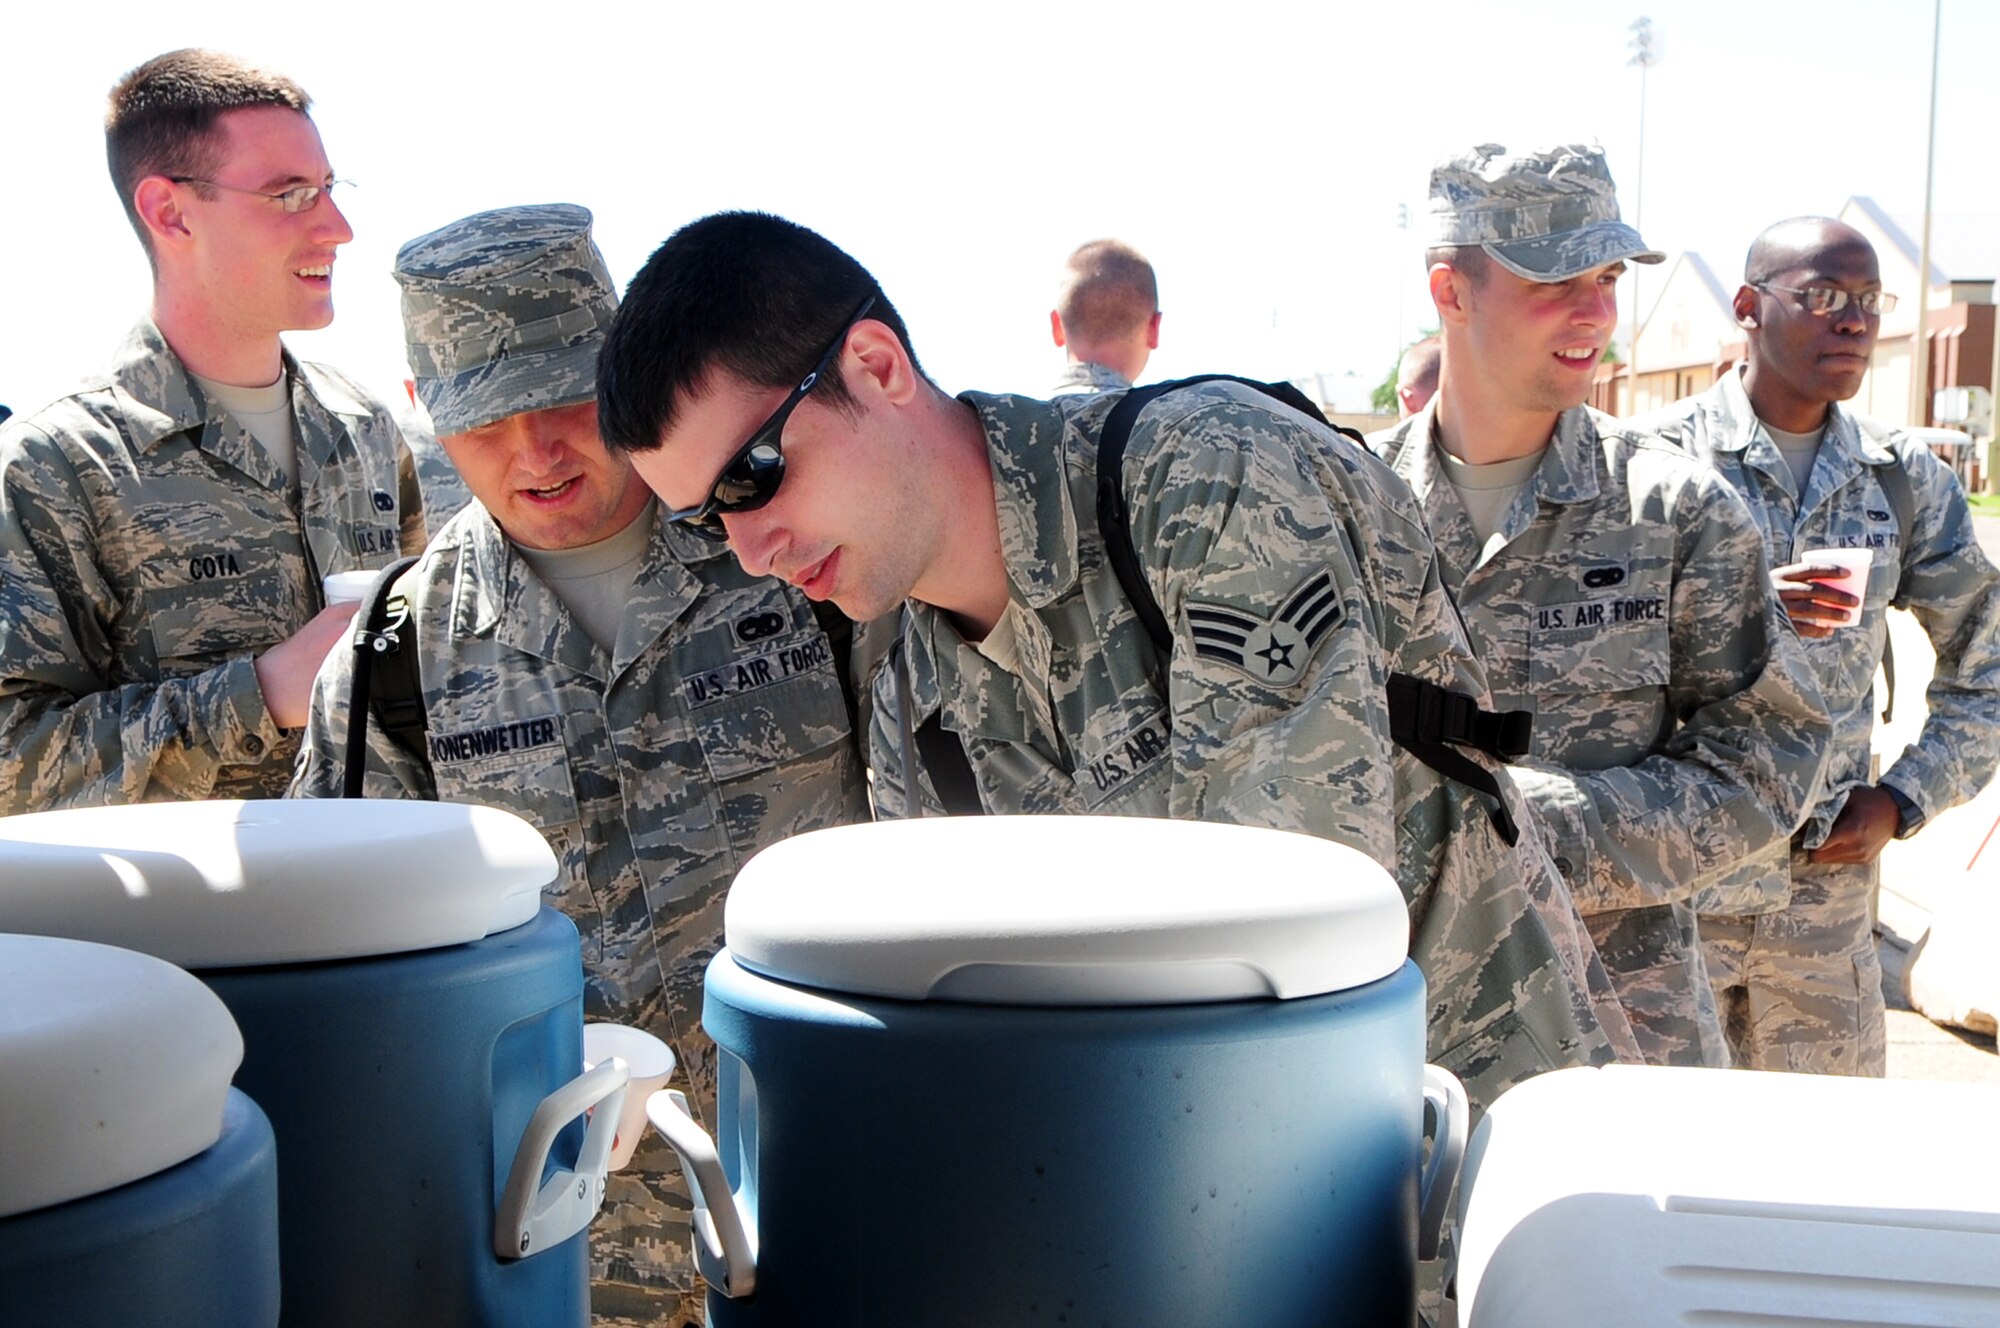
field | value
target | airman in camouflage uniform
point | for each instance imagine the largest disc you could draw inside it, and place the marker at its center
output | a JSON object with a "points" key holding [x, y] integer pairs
{"points": [[1106, 319], [161, 610], [1678, 732], [1797, 975], [656, 763], [1243, 513]]}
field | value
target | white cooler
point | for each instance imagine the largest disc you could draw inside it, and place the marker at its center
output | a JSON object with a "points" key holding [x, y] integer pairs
{"points": [[1637, 1195]]}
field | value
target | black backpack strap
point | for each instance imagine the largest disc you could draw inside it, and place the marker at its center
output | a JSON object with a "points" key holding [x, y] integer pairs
{"points": [[838, 629], [949, 767], [1431, 723], [384, 686], [930, 748], [1428, 721], [1895, 482]]}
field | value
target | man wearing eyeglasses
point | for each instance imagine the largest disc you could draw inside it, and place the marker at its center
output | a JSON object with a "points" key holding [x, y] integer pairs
{"points": [[1603, 579], [766, 389], [1797, 975], [656, 711], [164, 531]]}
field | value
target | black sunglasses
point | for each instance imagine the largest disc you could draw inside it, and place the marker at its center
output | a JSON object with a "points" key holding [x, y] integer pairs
{"points": [[751, 477]]}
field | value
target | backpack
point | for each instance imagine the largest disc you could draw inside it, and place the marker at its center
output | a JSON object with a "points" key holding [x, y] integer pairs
{"points": [[1429, 721], [1895, 482], [384, 685]]}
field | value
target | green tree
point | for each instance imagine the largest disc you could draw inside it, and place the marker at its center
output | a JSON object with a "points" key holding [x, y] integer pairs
{"points": [[1383, 399]]}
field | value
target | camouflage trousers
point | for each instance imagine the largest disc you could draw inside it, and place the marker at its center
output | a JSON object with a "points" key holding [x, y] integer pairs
{"points": [[1654, 957], [641, 1259], [1801, 988], [641, 1244]]}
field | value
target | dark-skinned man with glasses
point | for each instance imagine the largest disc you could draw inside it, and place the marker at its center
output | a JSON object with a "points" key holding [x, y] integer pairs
{"points": [[656, 711], [765, 388], [165, 529], [1796, 976]]}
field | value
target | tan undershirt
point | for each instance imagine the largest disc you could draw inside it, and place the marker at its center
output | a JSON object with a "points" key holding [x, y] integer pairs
{"points": [[1488, 491], [1799, 450], [266, 413], [595, 580], [1002, 645]]}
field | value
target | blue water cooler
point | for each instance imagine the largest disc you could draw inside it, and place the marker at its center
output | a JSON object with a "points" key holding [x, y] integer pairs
{"points": [[1065, 1070], [411, 1022], [136, 1186]]}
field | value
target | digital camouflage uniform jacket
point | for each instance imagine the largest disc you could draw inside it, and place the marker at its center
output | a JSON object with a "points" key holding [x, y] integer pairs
{"points": [[715, 728], [1950, 586], [1243, 513], [149, 550], [1678, 730]]}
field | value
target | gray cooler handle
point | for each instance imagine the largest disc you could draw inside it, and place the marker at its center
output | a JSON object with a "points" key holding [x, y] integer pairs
{"points": [[533, 1219], [1448, 1120], [725, 1248]]}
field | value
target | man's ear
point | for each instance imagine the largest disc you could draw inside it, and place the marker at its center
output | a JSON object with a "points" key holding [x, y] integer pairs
{"points": [[1056, 328], [1153, 331], [159, 209], [1450, 292], [1745, 307], [884, 370]]}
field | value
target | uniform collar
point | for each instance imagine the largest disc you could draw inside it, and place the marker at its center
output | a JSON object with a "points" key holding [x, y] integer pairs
{"points": [[1567, 473], [1027, 446], [1088, 376], [1735, 427], [498, 594], [161, 398]]}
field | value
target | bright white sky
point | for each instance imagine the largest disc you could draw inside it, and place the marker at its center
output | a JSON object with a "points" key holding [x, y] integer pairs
{"points": [[1256, 152]]}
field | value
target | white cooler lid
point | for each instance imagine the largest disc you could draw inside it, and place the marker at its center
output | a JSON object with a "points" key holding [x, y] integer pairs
{"points": [[113, 1066], [227, 884], [1066, 910], [1735, 1197]]}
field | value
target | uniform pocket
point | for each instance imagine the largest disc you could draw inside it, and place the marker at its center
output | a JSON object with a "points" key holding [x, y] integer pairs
{"points": [[1600, 625], [521, 766], [196, 626], [763, 708]]}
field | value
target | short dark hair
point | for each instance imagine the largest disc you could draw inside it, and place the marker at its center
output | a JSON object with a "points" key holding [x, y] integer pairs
{"points": [[1108, 292], [1467, 258], [161, 117], [753, 295]]}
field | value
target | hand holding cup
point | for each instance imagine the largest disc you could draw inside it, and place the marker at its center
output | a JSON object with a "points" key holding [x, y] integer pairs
{"points": [[1823, 592]]}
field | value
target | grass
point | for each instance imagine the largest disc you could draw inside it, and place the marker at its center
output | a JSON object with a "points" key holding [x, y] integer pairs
{"points": [[1986, 503]]}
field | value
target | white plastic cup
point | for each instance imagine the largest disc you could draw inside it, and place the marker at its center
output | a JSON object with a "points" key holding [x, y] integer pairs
{"points": [[349, 587], [1854, 579], [651, 1063]]}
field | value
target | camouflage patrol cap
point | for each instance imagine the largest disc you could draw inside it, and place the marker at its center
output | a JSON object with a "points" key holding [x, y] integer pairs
{"points": [[503, 313], [1546, 215]]}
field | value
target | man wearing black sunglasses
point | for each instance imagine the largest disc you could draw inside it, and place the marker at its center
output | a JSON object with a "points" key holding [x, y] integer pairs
{"points": [[1797, 977], [766, 388]]}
